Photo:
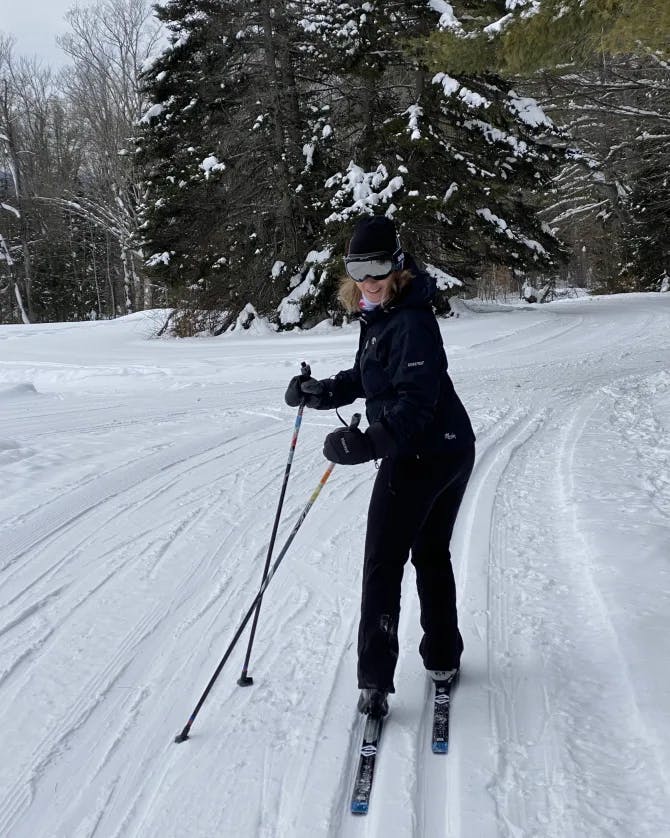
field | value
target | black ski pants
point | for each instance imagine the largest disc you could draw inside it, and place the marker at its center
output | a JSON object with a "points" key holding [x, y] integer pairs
{"points": [[414, 504]]}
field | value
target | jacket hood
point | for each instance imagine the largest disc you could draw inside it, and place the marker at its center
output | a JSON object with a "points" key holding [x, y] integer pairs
{"points": [[417, 292]]}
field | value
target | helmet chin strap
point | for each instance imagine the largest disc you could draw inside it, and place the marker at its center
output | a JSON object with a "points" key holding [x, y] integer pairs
{"points": [[398, 256]]}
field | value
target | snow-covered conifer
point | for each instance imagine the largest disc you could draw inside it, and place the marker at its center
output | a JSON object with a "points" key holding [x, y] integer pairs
{"points": [[229, 145], [272, 129], [461, 162]]}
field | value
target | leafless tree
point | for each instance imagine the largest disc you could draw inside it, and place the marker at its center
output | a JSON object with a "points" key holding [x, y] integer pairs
{"points": [[109, 42], [27, 154]]}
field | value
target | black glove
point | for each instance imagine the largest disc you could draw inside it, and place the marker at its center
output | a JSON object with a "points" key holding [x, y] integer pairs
{"points": [[309, 390], [348, 446]]}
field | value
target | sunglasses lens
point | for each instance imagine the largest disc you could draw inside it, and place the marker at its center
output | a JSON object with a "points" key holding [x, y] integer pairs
{"points": [[375, 268]]}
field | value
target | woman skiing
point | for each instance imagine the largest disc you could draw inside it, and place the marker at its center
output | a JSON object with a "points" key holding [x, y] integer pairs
{"points": [[421, 433]]}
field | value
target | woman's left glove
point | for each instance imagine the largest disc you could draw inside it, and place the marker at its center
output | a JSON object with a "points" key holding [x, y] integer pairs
{"points": [[308, 390], [348, 446]]}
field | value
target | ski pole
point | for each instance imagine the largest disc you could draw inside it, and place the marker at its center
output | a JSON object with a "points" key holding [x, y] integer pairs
{"points": [[246, 680], [183, 736]]}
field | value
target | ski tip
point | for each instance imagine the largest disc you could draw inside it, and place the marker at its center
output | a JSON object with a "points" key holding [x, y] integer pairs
{"points": [[440, 747], [359, 807]]}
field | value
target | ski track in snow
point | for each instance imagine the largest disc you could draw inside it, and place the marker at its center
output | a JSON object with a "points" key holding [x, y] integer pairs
{"points": [[140, 491]]}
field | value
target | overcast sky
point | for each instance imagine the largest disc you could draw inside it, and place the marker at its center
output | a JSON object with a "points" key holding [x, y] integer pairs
{"points": [[34, 25]]}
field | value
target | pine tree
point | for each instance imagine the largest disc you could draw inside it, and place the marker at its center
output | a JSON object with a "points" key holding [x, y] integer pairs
{"points": [[600, 70], [231, 176], [460, 163], [187, 202]]}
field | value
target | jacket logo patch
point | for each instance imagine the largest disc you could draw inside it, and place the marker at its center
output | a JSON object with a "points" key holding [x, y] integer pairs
{"points": [[450, 436], [415, 363]]}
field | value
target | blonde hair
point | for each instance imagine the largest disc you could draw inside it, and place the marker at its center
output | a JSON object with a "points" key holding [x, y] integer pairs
{"points": [[349, 293]]}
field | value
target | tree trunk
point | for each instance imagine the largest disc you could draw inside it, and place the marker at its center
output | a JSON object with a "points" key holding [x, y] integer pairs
{"points": [[110, 279], [19, 300], [128, 283], [283, 151]]}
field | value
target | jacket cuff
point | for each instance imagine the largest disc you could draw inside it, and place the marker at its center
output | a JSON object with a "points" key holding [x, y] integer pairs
{"points": [[383, 443]]}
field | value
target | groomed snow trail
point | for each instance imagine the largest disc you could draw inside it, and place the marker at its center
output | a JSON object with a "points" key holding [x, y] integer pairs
{"points": [[140, 480]]}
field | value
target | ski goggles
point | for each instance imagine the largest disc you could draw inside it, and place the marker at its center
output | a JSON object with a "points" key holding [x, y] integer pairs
{"points": [[372, 265]]}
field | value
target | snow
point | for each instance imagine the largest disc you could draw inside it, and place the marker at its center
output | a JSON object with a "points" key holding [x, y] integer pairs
{"points": [[451, 191], [448, 19], [499, 26], [277, 268], [289, 308], [11, 209], [140, 479], [496, 220], [504, 229], [530, 7], [158, 259], [319, 256], [153, 111], [528, 110], [148, 63], [308, 153], [472, 99], [513, 4], [414, 112], [531, 244], [450, 86], [494, 135], [211, 164], [363, 188], [251, 323], [444, 280]]}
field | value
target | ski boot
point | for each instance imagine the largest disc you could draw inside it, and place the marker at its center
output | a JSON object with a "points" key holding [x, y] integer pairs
{"points": [[373, 702], [443, 676]]}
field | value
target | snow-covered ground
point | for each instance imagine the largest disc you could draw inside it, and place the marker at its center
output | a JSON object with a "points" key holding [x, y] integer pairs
{"points": [[139, 482]]}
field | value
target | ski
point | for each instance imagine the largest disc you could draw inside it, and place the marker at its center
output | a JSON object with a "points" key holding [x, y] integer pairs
{"points": [[441, 702], [360, 799]]}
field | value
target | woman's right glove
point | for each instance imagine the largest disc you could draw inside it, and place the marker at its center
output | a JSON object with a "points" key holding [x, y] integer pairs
{"points": [[309, 390]]}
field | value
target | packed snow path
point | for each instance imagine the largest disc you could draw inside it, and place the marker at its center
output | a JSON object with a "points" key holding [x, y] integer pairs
{"points": [[139, 483]]}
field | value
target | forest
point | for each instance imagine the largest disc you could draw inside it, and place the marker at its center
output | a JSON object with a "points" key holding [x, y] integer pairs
{"points": [[208, 157]]}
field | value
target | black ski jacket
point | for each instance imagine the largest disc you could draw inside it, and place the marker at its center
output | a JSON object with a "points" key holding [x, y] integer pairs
{"points": [[401, 371]]}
